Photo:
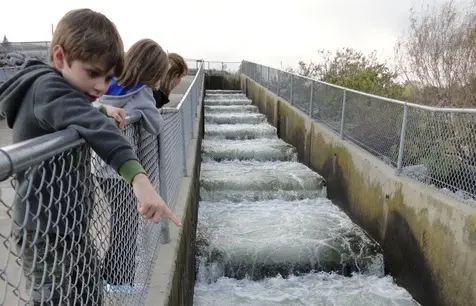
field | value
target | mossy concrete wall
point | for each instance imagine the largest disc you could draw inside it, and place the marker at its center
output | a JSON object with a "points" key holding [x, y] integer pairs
{"points": [[429, 239], [174, 279]]}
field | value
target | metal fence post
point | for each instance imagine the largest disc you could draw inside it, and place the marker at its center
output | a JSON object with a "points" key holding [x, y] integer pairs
{"points": [[193, 102], [164, 225], [192, 116], [267, 81], [278, 89], [342, 120], [402, 140], [261, 73], [184, 140], [310, 100], [291, 94], [196, 95]]}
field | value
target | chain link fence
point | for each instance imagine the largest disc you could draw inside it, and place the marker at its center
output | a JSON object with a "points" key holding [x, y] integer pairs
{"points": [[436, 146], [93, 238]]}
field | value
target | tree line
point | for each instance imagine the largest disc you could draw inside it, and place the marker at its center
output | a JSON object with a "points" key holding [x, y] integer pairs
{"points": [[434, 62]]}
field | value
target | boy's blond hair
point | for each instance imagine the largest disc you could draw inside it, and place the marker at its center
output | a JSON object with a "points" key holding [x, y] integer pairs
{"points": [[145, 62], [178, 68], [89, 36]]}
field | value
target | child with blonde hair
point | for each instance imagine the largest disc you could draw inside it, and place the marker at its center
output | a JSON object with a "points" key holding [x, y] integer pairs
{"points": [[145, 65]]}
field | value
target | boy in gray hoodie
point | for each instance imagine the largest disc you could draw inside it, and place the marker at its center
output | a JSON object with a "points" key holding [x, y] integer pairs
{"points": [[51, 210]]}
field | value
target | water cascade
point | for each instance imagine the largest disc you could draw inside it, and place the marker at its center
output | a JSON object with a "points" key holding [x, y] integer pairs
{"points": [[267, 234]]}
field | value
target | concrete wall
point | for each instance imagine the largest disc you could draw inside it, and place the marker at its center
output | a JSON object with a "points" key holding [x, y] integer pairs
{"points": [[429, 239], [174, 279], [220, 80]]}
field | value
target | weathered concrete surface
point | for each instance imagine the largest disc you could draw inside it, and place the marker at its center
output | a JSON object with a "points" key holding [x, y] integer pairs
{"points": [[429, 238], [174, 277]]}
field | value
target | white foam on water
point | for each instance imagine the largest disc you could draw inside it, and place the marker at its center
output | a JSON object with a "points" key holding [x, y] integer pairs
{"points": [[240, 131], [235, 118], [282, 236], [221, 96], [230, 109], [256, 149], [314, 289], [258, 176], [238, 101]]}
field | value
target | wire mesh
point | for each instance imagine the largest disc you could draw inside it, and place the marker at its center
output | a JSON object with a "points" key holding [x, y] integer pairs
{"points": [[327, 105], [374, 125], [301, 93], [436, 146], [440, 150], [70, 230]]}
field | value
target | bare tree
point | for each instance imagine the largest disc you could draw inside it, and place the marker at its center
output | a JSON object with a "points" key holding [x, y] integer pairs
{"points": [[437, 56]]}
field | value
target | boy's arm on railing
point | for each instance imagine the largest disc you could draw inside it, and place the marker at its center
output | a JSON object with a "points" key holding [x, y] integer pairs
{"points": [[57, 106]]}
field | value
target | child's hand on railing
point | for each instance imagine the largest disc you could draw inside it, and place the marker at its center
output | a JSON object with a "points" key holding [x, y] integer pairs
{"points": [[151, 206], [118, 114]]}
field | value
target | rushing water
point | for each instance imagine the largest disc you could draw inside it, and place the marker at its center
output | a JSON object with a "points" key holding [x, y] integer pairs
{"points": [[267, 234]]}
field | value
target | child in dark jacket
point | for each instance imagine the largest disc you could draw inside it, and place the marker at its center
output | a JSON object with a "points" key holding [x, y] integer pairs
{"points": [[178, 69]]}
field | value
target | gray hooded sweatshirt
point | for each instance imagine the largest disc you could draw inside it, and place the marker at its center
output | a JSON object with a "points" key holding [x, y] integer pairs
{"points": [[139, 102]]}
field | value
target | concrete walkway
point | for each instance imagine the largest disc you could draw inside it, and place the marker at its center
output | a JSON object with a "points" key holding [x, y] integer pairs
{"points": [[177, 94]]}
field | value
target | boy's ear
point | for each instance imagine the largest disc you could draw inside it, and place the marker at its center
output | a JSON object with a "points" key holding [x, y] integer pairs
{"points": [[58, 57]]}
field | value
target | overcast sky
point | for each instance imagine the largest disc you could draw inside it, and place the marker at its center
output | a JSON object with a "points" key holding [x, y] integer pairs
{"points": [[270, 32]]}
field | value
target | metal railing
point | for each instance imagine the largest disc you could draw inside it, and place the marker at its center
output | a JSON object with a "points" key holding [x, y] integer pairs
{"points": [[436, 146], [93, 236]]}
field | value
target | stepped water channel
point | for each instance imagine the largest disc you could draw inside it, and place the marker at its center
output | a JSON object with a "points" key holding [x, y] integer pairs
{"points": [[267, 234]]}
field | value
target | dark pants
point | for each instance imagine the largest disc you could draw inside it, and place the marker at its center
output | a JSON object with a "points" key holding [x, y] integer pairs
{"points": [[120, 258], [59, 269]]}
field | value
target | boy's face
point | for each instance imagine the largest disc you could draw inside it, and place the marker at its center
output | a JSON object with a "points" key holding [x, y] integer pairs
{"points": [[89, 78]]}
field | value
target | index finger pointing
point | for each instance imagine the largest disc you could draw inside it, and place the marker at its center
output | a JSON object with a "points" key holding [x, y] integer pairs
{"points": [[169, 214]]}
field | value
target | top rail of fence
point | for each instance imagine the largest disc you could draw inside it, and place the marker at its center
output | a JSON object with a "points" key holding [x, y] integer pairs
{"points": [[410, 104]]}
